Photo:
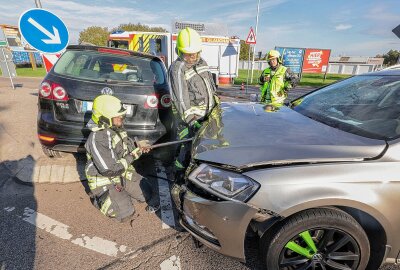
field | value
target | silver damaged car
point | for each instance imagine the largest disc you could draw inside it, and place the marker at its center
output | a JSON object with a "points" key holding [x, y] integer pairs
{"points": [[317, 182]]}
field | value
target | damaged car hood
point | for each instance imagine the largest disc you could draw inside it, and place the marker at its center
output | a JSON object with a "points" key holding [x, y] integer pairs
{"points": [[245, 135]]}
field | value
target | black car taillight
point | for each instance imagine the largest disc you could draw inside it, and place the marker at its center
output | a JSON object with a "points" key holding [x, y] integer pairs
{"points": [[155, 102], [45, 90], [151, 102], [166, 101], [59, 92], [53, 91]]}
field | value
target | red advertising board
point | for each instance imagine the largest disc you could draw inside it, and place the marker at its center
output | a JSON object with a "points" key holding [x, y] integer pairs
{"points": [[316, 60]]}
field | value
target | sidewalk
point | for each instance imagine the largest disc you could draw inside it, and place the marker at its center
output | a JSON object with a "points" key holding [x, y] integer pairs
{"points": [[21, 153]]}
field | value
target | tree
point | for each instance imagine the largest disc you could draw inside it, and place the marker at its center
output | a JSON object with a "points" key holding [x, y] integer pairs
{"points": [[391, 57], [138, 27], [244, 51], [95, 35]]}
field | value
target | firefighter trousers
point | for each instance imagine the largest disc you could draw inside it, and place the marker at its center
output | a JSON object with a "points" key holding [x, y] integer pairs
{"points": [[117, 203]]}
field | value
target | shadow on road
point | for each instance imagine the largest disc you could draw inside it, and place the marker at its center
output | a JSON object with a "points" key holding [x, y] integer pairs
{"points": [[17, 215]]}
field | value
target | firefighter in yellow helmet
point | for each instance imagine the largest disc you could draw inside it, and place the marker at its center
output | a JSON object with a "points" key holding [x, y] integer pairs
{"points": [[193, 93], [112, 179], [276, 80]]}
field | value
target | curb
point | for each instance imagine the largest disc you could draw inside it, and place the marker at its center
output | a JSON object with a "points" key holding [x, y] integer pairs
{"points": [[28, 172]]}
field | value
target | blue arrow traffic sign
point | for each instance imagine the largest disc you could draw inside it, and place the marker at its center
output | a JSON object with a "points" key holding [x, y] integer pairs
{"points": [[43, 30]]}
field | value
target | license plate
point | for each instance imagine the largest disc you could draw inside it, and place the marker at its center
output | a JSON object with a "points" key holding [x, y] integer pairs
{"points": [[128, 109], [88, 105]]}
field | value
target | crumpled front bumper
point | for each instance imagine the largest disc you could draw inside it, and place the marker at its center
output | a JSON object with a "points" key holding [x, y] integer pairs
{"points": [[220, 225]]}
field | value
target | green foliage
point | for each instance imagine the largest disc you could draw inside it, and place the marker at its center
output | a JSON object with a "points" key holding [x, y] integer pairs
{"points": [[95, 35], [391, 57], [29, 72], [244, 51], [138, 27]]}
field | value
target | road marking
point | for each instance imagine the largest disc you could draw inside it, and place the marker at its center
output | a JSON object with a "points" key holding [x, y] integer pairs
{"points": [[61, 230], [173, 263], [167, 214]]}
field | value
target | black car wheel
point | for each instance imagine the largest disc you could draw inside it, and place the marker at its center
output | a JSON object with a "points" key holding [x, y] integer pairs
{"points": [[323, 239], [51, 153]]}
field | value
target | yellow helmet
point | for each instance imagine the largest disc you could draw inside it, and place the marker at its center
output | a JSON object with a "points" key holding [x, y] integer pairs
{"points": [[273, 54], [105, 107], [188, 41]]}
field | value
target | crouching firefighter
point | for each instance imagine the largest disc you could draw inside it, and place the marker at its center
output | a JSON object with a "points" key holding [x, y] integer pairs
{"points": [[111, 176]]}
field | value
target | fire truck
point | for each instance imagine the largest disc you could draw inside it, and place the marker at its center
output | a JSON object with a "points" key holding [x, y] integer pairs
{"points": [[220, 51]]}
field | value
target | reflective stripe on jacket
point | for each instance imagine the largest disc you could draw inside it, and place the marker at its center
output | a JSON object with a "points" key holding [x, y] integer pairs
{"points": [[109, 158], [192, 89]]}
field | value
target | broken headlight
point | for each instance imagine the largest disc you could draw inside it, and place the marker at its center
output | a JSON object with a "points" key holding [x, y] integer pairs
{"points": [[229, 184]]}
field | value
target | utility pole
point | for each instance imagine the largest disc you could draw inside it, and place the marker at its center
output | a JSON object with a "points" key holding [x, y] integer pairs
{"points": [[38, 4], [254, 47]]}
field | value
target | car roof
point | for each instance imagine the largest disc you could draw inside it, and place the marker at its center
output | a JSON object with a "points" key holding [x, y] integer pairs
{"points": [[96, 48], [390, 72]]}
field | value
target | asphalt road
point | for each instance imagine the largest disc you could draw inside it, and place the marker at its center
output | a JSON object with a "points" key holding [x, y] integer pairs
{"points": [[55, 226]]}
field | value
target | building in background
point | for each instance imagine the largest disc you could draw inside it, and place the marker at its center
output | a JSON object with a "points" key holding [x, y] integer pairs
{"points": [[23, 54], [307, 60], [353, 65], [220, 50]]}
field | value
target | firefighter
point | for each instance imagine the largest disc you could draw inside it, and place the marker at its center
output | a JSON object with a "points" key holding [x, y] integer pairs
{"points": [[112, 179], [276, 80], [192, 91]]}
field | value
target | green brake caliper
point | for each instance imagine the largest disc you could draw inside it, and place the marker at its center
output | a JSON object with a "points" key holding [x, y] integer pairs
{"points": [[307, 252]]}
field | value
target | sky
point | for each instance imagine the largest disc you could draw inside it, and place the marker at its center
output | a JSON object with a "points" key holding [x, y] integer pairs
{"points": [[347, 27]]}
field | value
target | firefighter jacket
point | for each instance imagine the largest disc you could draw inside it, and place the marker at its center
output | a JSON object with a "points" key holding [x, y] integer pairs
{"points": [[275, 90], [192, 90], [110, 154]]}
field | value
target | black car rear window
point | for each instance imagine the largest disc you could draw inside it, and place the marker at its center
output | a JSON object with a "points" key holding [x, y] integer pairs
{"points": [[98, 66]]}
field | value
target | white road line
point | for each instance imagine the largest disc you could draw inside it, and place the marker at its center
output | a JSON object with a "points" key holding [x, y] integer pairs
{"points": [[173, 263], [60, 230], [167, 214]]}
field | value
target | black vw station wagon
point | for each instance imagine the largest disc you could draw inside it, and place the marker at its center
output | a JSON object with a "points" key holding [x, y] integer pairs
{"points": [[84, 72]]}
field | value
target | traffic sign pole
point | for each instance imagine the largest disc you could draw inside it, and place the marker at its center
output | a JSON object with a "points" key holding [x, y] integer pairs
{"points": [[8, 68], [248, 70], [255, 44], [251, 39], [38, 4]]}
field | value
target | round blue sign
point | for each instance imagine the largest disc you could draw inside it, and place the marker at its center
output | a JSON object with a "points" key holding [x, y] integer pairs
{"points": [[43, 30]]}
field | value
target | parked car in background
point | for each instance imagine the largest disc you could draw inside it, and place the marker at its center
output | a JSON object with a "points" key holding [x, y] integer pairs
{"points": [[316, 183], [84, 72]]}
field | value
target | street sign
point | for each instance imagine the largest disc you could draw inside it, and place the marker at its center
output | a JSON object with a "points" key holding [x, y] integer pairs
{"points": [[3, 40], [396, 31], [49, 60], [251, 38], [316, 60], [292, 58], [7, 66], [43, 30]]}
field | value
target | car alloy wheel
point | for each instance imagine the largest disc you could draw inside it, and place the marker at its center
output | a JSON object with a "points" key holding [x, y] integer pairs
{"points": [[316, 239], [322, 248]]}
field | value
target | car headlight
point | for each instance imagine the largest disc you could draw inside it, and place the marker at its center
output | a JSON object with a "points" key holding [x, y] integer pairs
{"points": [[226, 183]]}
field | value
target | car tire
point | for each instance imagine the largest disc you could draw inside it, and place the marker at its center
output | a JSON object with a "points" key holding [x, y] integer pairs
{"points": [[328, 229], [52, 153]]}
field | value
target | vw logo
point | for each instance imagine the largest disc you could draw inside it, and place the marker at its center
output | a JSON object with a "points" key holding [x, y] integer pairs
{"points": [[107, 91], [317, 257]]}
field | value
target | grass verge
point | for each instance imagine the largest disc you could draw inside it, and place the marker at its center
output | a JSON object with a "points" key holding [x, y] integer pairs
{"points": [[314, 80]]}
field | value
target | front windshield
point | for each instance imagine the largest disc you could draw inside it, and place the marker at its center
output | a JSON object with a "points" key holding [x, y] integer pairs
{"points": [[368, 106]]}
